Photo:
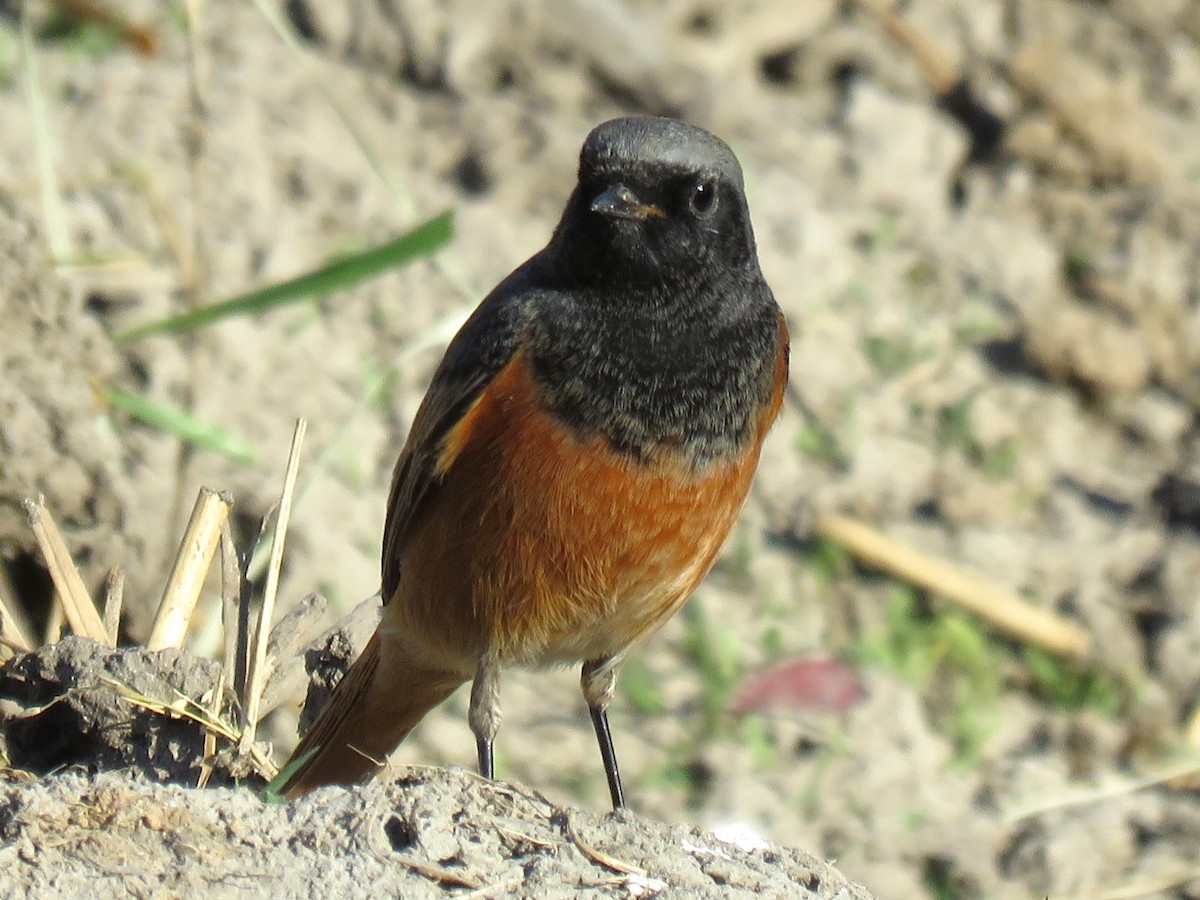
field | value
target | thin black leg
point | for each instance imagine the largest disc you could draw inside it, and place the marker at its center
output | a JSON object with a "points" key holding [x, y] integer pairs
{"points": [[484, 713], [604, 738], [484, 746]]}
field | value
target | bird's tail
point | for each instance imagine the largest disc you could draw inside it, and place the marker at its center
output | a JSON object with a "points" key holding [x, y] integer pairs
{"points": [[372, 710]]}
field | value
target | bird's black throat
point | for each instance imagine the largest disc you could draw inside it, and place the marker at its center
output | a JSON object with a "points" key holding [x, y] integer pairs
{"points": [[684, 368]]}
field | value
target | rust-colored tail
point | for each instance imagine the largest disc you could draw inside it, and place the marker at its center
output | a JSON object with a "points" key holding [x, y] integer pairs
{"points": [[373, 708]]}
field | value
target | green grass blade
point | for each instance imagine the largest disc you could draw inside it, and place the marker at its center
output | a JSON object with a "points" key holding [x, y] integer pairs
{"points": [[273, 792], [419, 242], [181, 423]]}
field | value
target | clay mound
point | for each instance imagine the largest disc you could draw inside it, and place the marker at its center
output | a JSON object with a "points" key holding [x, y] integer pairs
{"points": [[80, 703], [413, 836], [79, 711]]}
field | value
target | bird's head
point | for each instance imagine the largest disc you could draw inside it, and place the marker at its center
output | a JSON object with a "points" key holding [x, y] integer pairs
{"points": [[657, 201]]}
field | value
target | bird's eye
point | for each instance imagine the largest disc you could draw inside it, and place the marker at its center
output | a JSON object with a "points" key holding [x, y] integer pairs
{"points": [[702, 197]]}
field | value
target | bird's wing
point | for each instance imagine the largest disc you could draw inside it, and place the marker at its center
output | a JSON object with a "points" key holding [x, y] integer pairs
{"points": [[484, 345]]}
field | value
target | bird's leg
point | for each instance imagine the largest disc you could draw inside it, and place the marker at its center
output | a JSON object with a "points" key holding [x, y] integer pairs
{"points": [[599, 678], [485, 715]]}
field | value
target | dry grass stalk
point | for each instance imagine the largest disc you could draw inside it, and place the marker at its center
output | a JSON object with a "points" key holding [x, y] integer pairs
{"points": [[54, 623], [256, 680], [15, 628], [13, 650], [206, 765], [972, 591], [232, 589], [12, 634], [231, 597], [937, 69], [434, 872], [114, 597], [76, 602], [1182, 775], [599, 856], [185, 707], [192, 562]]}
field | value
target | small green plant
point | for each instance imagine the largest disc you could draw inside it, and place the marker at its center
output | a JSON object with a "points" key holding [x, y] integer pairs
{"points": [[1078, 264], [940, 880], [753, 733], [640, 689], [338, 275], [829, 560], [818, 444], [714, 656], [830, 441], [773, 643], [177, 14], [886, 234], [950, 658], [335, 276], [582, 784], [978, 321], [1066, 685], [813, 791], [922, 274], [956, 429], [960, 670], [91, 40], [188, 427], [892, 355], [330, 592], [677, 775], [1000, 463], [272, 793]]}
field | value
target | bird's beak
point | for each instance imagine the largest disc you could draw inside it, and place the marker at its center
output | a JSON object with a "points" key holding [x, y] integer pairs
{"points": [[619, 202]]}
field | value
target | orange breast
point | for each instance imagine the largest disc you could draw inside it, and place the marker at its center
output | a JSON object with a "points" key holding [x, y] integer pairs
{"points": [[554, 549]]}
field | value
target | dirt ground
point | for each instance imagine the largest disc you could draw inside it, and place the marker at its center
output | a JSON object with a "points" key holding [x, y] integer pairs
{"points": [[995, 363], [420, 833]]}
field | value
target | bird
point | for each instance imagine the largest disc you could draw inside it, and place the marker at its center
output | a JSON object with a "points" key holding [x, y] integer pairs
{"points": [[583, 451]]}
